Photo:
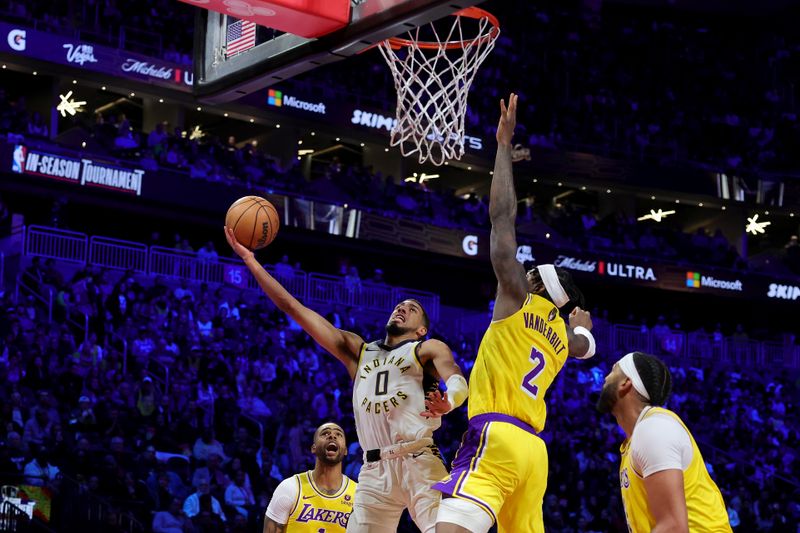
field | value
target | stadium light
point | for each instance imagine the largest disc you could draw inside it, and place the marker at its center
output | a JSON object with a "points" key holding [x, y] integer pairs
{"points": [[68, 105], [656, 216], [421, 178], [755, 227], [196, 133]]}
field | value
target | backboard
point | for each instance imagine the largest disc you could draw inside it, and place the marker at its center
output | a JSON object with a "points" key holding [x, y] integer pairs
{"points": [[276, 56]]}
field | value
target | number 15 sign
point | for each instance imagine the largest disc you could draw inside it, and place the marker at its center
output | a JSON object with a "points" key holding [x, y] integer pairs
{"points": [[235, 275]]}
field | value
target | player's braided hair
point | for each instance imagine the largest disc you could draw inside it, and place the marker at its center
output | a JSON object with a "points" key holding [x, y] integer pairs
{"points": [[576, 298], [655, 375]]}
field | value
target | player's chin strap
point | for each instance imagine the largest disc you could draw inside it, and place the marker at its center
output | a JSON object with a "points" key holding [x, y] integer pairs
{"points": [[397, 450]]}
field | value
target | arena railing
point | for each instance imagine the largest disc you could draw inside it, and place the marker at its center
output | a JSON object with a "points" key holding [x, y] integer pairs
{"points": [[56, 243], [47, 302], [118, 254], [326, 289]]}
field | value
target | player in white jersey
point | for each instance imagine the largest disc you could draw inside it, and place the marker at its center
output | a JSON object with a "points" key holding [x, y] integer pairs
{"points": [[395, 419]]}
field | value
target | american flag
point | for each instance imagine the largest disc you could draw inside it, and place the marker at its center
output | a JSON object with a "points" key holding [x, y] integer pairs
{"points": [[241, 36]]}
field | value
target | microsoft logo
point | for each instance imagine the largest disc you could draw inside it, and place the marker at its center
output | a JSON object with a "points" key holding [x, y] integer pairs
{"points": [[275, 98], [693, 279]]}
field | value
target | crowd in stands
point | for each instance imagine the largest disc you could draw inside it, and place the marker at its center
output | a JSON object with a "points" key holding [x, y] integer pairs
{"points": [[211, 159], [79, 419], [625, 82], [643, 83], [621, 233], [155, 27]]}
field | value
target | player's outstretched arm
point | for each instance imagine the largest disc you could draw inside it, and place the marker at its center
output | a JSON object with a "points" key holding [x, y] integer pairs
{"points": [[344, 345], [436, 403], [512, 286], [667, 501]]}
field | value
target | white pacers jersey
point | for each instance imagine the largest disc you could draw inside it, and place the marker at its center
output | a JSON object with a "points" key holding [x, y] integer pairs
{"points": [[389, 395]]}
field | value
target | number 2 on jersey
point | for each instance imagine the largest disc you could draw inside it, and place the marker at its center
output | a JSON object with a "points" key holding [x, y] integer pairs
{"points": [[537, 358]]}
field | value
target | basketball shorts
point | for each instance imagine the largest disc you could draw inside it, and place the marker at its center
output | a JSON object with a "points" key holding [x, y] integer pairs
{"points": [[387, 487], [501, 466]]}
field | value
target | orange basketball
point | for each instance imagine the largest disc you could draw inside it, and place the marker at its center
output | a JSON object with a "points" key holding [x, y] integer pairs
{"points": [[254, 221]]}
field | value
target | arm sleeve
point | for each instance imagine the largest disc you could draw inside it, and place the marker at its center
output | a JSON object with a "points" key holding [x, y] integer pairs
{"points": [[283, 500], [660, 443]]}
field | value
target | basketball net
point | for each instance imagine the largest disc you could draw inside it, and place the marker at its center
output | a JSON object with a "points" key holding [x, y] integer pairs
{"points": [[432, 79]]}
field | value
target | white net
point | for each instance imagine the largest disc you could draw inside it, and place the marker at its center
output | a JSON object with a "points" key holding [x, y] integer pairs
{"points": [[432, 80]]}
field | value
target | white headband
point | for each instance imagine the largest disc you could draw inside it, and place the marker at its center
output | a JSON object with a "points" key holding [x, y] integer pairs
{"points": [[553, 285], [628, 368]]}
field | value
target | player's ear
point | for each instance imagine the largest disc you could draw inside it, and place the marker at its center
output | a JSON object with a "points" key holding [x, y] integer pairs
{"points": [[422, 331], [625, 386]]}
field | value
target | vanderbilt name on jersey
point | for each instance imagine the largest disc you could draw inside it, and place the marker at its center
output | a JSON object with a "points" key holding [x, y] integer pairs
{"points": [[389, 395]]}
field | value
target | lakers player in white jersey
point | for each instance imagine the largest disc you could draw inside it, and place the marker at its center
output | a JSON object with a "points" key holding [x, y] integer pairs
{"points": [[394, 420], [317, 500], [664, 481]]}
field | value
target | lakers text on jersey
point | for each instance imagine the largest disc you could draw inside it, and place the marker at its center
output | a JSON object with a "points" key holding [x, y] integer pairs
{"points": [[389, 395], [316, 511]]}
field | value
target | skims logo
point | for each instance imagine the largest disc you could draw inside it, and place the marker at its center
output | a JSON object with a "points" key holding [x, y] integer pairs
{"points": [[693, 280], [275, 98]]}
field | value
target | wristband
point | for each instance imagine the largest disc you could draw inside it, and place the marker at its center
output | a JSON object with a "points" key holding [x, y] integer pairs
{"points": [[580, 330], [457, 390]]}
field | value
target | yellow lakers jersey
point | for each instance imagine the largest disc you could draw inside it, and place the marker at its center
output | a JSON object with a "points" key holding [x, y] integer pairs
{"points": [[518, 359], [314, 511], [707, 512]]}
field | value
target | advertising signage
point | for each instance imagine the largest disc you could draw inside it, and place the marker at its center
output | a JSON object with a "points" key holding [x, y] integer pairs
{"points": [[339, 113], [83, 172], [33, 44]]}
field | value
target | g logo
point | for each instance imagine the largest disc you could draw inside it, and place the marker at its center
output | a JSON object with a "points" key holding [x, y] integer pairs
{"points": [[16, 40], [470, 245]]}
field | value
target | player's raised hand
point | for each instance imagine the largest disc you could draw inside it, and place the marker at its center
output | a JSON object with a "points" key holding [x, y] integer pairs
{"points": [[436, 405], [579, 317], [508, 120], [240, 250]]}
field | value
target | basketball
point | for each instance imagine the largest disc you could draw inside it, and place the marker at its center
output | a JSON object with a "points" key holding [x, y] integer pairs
{"points": [[254, 221]]}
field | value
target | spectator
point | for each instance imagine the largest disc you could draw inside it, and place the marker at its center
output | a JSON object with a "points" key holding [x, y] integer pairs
{"points": [[239, 496], [172, 520], [202, 502], [39, 472]]}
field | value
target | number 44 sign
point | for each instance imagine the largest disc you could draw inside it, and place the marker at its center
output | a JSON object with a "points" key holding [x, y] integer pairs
{"points": [[235, 275]]}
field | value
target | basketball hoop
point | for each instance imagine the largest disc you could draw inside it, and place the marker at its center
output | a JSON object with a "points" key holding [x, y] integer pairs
{"points": [[432, 80]]}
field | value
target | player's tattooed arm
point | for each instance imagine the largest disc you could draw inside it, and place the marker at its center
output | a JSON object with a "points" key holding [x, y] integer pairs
{"points": [[512, 285], [271, 526]]}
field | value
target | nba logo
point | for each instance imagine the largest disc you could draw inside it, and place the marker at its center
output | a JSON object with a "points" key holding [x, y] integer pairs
{"points": [[623, 478], [18, 163]]}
